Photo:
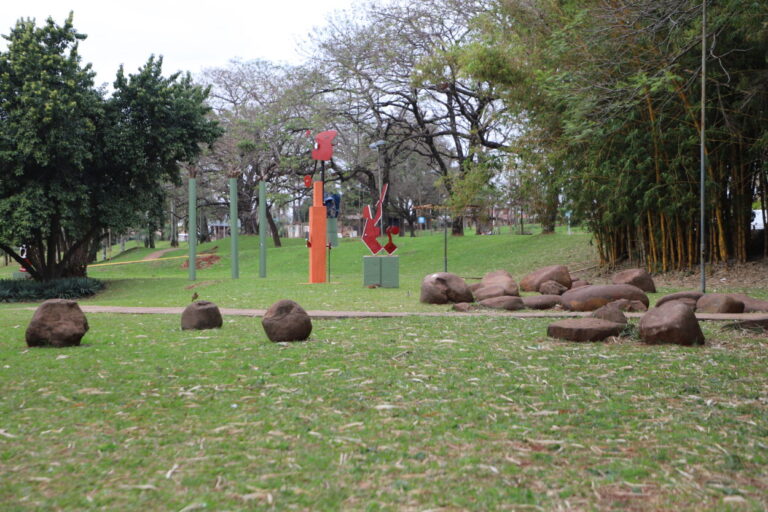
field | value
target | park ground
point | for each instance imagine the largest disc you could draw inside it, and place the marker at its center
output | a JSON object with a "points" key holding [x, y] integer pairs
{"points": [[413, 413]]}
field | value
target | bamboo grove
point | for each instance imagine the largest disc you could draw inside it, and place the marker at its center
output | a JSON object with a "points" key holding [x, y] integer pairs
{"points": [[611, 93]]}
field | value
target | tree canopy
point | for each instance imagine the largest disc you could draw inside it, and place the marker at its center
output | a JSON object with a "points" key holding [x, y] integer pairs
{"points": [[75, 161]]}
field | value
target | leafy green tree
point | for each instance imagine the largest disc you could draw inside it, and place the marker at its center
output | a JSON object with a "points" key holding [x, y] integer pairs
{"points": [[75, 162]]}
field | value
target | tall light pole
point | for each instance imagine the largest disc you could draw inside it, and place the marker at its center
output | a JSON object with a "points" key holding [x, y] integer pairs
{"points": [[702, 156]]}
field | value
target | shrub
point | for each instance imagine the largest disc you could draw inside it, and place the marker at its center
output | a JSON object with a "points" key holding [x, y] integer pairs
{"points": [[25, 290]]}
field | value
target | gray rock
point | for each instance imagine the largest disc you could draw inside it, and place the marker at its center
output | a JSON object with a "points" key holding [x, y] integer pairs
{"points": [[57, 323], [285, 320], [671, 323], [584, 329], [201, 315], [444, 287]]}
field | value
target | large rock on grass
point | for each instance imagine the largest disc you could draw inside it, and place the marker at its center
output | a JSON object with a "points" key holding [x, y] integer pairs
{"points": [[201, 315], [634, 306], [534, 280], [488, 292], [671, 323], [638, 277], [552, 288], [57, 323], [751, 305], [584, 329], [589, 298], [610, 312], [679, 295], [443, 288], [506, 302], [503, 279], [541, 301], [285, 320], [719, 303]]}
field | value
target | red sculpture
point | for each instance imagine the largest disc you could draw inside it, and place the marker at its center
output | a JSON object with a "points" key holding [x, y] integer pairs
{"points": [[324, 145], [371, 231]]}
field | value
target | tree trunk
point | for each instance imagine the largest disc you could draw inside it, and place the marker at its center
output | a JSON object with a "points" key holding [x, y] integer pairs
{"points": [[273, 227], [457, 226]]}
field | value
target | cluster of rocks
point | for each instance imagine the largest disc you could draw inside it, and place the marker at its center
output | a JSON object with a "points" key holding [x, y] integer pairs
{"points": [[673, 320], [61, 322], [554, 284]]}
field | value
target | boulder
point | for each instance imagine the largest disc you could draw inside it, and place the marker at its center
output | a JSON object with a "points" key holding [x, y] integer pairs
{"points": [[559, 273], [552, 288], [671, 323], [688, 302], [474, 287], [463, 307], [285, 320], [679, 295], [584, 329], [718, 303], [630, 305], [541, 301], [488, 292], [638, 277], [444, 287], [58, 323], [589, 298], [501, 278], [201, 315], [578, 283], [610, 312], [507, 302], [751, 305]]}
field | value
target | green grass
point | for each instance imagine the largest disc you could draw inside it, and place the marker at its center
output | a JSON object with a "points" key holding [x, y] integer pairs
{"points": [[166, 283], [449, 413], [406, 414]]}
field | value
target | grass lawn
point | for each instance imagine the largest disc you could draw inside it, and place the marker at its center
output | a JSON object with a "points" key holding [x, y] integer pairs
{"points": [[454, 413]]}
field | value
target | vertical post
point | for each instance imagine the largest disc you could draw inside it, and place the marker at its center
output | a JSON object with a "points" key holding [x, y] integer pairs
{"points": [[317, 236], [233, 228], [702, 156], [262, 229], [192, 230], [445, 243]]}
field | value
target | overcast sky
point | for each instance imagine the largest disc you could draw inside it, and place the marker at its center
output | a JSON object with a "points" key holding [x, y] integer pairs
{"points": [[191, 35]]}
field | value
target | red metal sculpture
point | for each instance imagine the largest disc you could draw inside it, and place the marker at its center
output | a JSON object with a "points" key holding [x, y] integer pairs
{"points": [[371, 230]]}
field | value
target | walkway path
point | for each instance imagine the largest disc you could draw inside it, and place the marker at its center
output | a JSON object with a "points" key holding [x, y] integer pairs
{"points": [[762, 317], [159, 254]]}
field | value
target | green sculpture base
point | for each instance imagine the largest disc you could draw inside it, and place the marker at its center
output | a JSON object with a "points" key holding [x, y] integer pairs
{"points": [[381, 271], [333, 231]]}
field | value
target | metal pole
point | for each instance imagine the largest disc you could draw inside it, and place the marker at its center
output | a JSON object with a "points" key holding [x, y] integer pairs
{"points": [[702, 156], [262, 229], [192, 231], [233, 228]]}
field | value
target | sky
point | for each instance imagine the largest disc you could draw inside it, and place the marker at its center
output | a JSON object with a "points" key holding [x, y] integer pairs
{"points": [[191, 35]]}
